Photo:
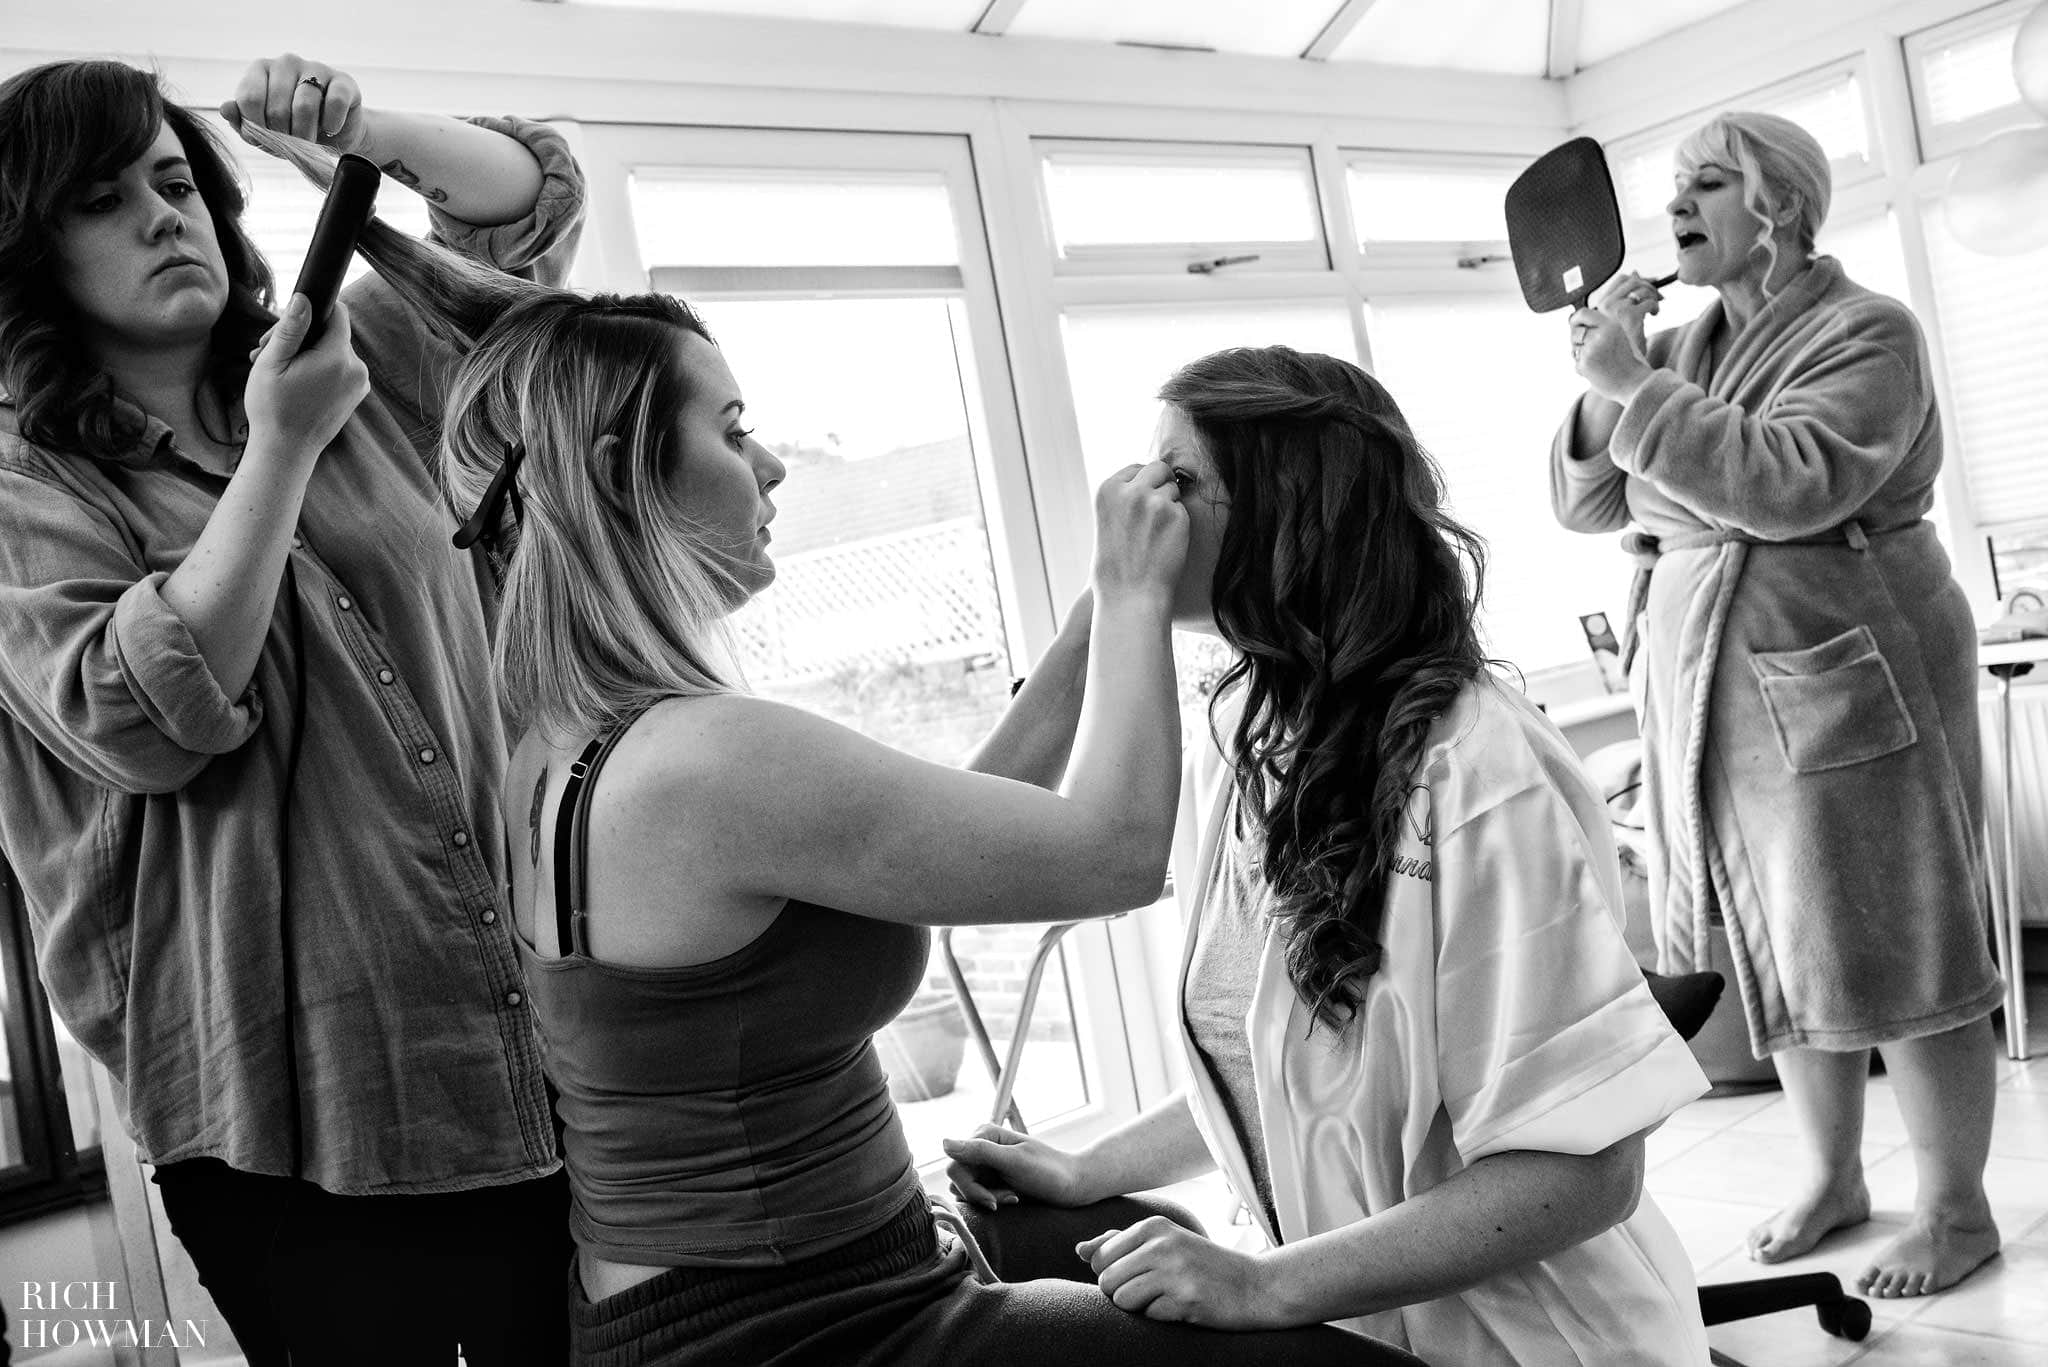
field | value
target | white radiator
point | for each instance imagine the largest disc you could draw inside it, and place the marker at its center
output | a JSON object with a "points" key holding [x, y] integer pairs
{"points": [[2029, 788]]}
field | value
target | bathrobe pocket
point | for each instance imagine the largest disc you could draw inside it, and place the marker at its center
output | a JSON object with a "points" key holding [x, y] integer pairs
{"points": [[1834, 704]]}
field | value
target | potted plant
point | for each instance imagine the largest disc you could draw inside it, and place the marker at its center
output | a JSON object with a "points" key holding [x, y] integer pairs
{"points": [[921, 1049]]}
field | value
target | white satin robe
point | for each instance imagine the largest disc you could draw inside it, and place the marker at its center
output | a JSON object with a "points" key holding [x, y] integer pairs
{"points": [[1508, 1014]]}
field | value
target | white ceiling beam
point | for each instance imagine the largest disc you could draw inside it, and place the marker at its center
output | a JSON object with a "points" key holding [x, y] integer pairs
{"points": [[997, 18], [1337, 30], [580, 59], [1563, 58]]}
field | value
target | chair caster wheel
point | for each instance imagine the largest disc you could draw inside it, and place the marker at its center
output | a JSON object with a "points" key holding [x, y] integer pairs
{"points": [[1847, 1318]]}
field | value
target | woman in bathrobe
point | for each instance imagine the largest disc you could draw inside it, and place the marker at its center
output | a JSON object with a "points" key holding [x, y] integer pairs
{"points": [[1810, 721], [1418, 1046]]}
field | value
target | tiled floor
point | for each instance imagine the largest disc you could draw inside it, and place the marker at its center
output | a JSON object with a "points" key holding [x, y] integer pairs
{"points": [[1724, 1163]]}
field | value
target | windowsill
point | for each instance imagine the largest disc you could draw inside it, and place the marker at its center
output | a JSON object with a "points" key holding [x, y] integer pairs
{"points": [[1577, 713]]}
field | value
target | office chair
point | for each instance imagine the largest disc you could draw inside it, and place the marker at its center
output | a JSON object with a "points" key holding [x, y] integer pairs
{"points": [[1687, 999]]}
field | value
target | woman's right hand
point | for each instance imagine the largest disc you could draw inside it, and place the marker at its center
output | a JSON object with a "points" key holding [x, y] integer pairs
{"points": [[998, 1165], [1630, 301], [297, 400], [1141, 532]]}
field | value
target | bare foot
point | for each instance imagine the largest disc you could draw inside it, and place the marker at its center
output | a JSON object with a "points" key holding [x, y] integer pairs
{"points": [[1932, 1255], [1799, 1226]]}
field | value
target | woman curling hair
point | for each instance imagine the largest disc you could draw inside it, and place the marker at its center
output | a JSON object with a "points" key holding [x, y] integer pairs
{"points": [[246, 732], [719, 899], [1419, 1048]]}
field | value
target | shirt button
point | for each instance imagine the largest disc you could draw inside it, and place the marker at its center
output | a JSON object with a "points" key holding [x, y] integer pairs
{"points": [[385, 676], [426, 754], [490, 918], [297, 541], [513, 999], [343, 603], [461, 839]]}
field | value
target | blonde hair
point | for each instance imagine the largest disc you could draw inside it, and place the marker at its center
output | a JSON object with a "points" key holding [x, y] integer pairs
{"points": [[613, 595], [1780, 162]]}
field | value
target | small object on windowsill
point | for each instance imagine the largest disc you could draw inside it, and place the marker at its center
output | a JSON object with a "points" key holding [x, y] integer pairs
{"points": [[1473, 263], [2026, 618], [1581, 711], [1606, 650], [2010, 646], [1217, 263]]}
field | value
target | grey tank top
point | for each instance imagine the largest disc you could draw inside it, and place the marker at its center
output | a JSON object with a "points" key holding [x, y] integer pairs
{"points": [[1221, 976], [730, 1113]]}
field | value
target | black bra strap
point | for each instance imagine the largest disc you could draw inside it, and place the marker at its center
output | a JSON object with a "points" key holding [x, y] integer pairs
{"points": [[572, 841]]}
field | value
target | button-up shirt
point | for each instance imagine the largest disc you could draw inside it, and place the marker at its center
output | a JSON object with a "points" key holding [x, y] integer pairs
{"points": [[279, 959]]}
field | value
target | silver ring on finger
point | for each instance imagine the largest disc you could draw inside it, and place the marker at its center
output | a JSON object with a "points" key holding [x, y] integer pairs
{"points": [[315, 82]]}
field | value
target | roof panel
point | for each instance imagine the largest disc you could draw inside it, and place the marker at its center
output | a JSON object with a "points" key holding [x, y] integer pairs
{"points": [[1270, 28], [955, 15], [1610, 27], [1509, 36]]}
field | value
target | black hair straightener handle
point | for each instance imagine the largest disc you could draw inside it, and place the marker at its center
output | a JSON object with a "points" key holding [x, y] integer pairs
{"points": [[342, 218]]}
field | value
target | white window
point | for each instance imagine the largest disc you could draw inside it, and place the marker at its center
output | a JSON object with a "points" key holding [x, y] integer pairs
{"points": [[1962, 79], [1484, 383], [1119, 355], [1993, 317], [283, 206], [1120, 207], [846, 280], [1832, 105], [1403, 198]]}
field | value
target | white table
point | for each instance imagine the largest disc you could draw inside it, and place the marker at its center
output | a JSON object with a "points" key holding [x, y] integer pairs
{"points": [[2007, 660]]}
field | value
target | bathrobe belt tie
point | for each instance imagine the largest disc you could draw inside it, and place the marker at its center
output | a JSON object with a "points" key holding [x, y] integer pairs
{"points": [[1645, 549]]}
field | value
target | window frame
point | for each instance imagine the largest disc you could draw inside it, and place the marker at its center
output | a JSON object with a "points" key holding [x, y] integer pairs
{"points": [[1850, 174], [1352, 277], [1014, 518], [1171, 258], [1938, 141], [1396, 253], [56, 1174]]}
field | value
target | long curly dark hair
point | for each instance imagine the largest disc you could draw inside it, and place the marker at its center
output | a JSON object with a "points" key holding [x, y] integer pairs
{"points": [[1342, 584], [64, 125]]}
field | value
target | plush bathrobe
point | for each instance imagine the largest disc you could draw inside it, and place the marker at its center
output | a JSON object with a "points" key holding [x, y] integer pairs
{"points": [[1810, 721]]}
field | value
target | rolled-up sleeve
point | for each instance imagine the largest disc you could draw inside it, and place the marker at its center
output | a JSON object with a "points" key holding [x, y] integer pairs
{"points": [[541, 245], [1548, 1038], [98, 666], [410, 366]]}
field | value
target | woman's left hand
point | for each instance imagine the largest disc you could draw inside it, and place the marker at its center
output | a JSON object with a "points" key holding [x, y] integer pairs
{"points": [[1606, 355], [299, 98], [1166, 1271]]}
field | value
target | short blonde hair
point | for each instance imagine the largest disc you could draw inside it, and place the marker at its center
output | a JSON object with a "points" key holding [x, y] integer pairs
{"points": [[613, 596], [1780, 162]]}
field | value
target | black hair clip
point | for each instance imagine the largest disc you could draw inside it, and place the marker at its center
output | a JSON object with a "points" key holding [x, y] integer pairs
{"points": [[503, 484]]}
